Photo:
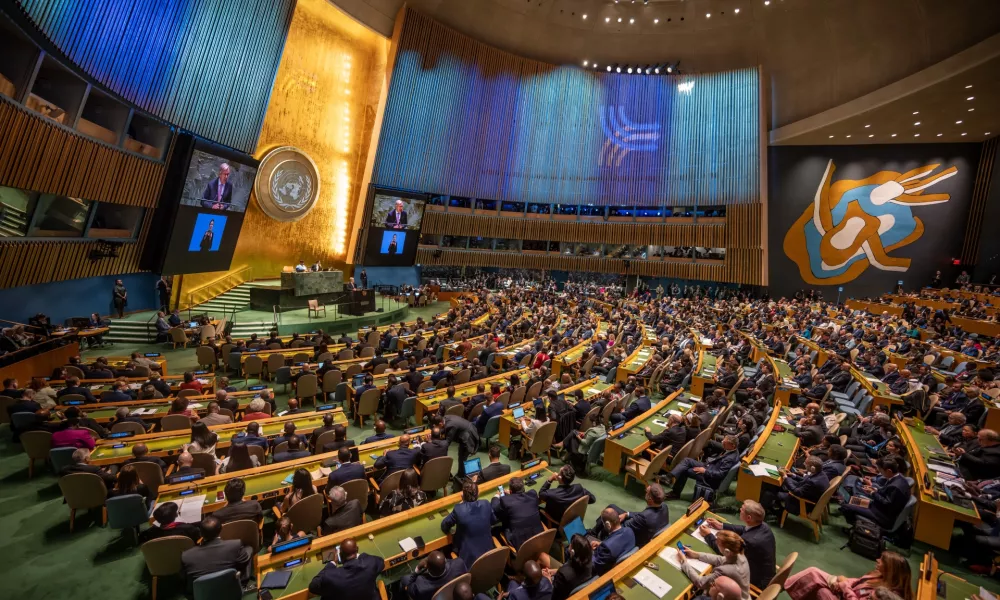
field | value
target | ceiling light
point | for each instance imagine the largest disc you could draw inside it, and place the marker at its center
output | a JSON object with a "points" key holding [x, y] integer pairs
{"points": [[987, 133], [657, 70], [708, 15], [595, 65], [737, 11], [867, 126], [968, 86], [894, 135], [607, 19], [618, 69], [831, 137], [916, 112], [963, 133], [958, 122], [630, 69], [940, 134], [609, 68], [916, 135], [917, 123], [871, 135], [971, 98], [670, 69], [848, 135], [655, 21], [971, 109], [630, 21], [767, 2], [619, 19], [585, 63]]}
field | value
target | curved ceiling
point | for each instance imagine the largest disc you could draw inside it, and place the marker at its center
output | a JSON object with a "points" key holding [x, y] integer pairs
{"points": [[815, 54]]}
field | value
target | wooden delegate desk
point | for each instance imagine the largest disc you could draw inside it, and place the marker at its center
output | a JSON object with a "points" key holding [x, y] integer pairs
{"points": [[591, 388], [169, 443], [44, 362], [705, 373], [430, 401], [773, 449], [634, 363], [784, 385], [933, 580], [104, 412], [573, 355], [117, 362], [936, 516], [622, 575], [875, 308], [134, 383], [273, 481], [385, 533], [630, 439]]}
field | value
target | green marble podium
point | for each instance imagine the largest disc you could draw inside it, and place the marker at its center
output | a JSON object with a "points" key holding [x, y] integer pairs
{"points": [[313, 284]]}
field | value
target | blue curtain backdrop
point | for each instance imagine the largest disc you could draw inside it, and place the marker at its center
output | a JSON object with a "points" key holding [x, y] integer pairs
{"points": [[466, 119]]}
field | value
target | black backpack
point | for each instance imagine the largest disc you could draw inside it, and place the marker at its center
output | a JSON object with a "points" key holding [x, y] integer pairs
{"points": [[865, 539]]}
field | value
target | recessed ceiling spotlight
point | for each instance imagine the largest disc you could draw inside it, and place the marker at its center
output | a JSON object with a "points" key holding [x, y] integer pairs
{"points": [[871, 135], [958, 122], [963, 133], [971, 109], [917, 123], [867, 126], [987, 133], [767, 2], [916, 112], [968, 87], [607, 19], [630, 21], [609, 68], [916, 135], [619, 19], [940, 134], [848, 135], [737, 11], [971, 98], [894, 135], [655, 21], [595, 65], [585, 63], [708, 15], [584, 15]]}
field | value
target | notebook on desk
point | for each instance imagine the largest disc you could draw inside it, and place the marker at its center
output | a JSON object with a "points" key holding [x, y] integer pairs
{"points": [[276, 580]]}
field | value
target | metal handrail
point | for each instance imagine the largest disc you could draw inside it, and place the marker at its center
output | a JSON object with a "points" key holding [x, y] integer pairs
{"points": [[224, 278]]}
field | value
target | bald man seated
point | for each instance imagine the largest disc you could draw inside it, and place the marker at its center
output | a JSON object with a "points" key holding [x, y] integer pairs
{"points": [[184, 467], [534, 587], [400, 459], [380, 433], [724, 588], [431, 574], [349, 575]]}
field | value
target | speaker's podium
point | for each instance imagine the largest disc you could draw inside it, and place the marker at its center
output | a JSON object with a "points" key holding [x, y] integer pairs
{"points": [[297, 289], [361, 302]]}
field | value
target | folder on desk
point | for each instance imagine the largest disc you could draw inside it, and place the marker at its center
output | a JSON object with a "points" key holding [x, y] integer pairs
{"points": [[276, 580]]}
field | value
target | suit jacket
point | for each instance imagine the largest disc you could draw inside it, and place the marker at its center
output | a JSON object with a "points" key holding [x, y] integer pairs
{"points": [[334, 446], [833, 469], [457, 429], [568, 578], [397, 460], [378, 437], [519, 516], [647, 522], [423, 586], [519, 591], [889, 500], [390, 219], [718, 466], [472, 522], [432, 449], [809, 488], [285, 456], [153, 459], [759, 550], [493, 471], [981, 463], [216, 419], [347, 516], [83, 391], [211, 194], [245, 509], [675, 437], [352, 579], [610, 550], [185, 529], [489, 412], [558, 500], [214, 556], [344, 473], [639, 406]]}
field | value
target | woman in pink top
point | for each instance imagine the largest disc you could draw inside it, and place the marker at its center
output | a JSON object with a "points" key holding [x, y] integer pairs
{"points": [[73, 436]]}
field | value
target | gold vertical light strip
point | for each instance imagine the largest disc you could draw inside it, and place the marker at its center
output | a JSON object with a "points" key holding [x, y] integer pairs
{"points": [[980, 192]]}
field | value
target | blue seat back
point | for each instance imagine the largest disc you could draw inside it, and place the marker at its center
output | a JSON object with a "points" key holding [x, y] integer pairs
{"points": [[127, 511], [222, 585]]}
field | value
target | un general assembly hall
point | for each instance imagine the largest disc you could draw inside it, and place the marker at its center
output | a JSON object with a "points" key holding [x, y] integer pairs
{"points": [[500, 299]]}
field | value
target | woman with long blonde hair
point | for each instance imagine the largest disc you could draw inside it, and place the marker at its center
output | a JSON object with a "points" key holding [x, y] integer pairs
{"points": [[891, 572]]}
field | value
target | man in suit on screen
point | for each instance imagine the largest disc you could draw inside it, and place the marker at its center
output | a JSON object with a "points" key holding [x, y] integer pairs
{"points": [[397, 218], [218, 193]]}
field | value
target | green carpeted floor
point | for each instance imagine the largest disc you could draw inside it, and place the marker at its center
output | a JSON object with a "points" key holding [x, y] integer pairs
{"points": [[42, 560]]}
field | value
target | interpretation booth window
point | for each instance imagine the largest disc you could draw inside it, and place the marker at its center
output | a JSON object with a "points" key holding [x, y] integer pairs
{"points": [[459, 202], [566, 209], [539, 209], [486, 204], [115, 221], [60, 216]]}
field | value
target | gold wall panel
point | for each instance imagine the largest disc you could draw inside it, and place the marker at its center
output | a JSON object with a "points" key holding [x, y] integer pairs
{"points": [[323, 102]]}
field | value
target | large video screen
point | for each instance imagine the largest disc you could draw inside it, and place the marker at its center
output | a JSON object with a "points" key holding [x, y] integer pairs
{"points": [[209, 215], [216, 183], [394, 230]]}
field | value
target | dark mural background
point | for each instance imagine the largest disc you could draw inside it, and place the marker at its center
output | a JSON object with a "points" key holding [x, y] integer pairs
{"points": [[795, 175]]}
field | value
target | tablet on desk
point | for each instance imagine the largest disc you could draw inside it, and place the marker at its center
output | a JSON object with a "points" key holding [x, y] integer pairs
{"points": [[518, 413]]}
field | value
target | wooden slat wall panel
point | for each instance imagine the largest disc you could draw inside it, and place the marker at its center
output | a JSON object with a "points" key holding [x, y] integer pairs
{"points": [[39, 155], [740, 235], [205, 65], [980, 192]]}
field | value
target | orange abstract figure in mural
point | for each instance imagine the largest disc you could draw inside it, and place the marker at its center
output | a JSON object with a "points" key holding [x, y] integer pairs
{"points": [[852, 224]]}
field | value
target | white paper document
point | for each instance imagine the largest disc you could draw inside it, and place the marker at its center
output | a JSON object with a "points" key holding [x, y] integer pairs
{"points": [[407, 544], [593, 391], [651, 582], [942, 469], [675, 412], [195, 405], [696, 534], [783, 421], [684, 405], [669, 554], [190, 508], [986, 595]]}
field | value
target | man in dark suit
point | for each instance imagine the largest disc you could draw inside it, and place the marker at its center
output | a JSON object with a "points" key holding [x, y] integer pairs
{"points": [[675, 435], [236, 507], [185, 467], [518, 513], [887, 501], [344, 513], [215, 554], [122, 416], [140, 453], [353, 577], [395, 396], [380, 433], [73, 387], [619, 541], [645, 523], [809, 487], [252, 436], [459, 430], [758, 537], [339, 439], [81, 464], [287, 434], [495, 469], [535, 585], [582, 406], [346, 471], [399, 459], [327, 426], [433, 448], [640, 405], [709, 473], [218, 193], [559, 499], [158, 384], [982, 462], [296, 449], [493, 409], [431, 574], [396, 219]]}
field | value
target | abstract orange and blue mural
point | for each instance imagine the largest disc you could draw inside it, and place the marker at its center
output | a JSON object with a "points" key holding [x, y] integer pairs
{"points": [[856, 223]]}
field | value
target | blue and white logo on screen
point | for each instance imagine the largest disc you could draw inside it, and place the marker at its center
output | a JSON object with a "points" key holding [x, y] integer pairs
{"points": [[623, 136]]}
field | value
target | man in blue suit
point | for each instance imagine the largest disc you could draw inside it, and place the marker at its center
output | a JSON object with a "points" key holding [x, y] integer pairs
{"points": [[809, 487], [709, 473], [518, 513], [472, 519], [639, 406], [354, 577], [431, 574], [218, 193], [347, 471], [644, 524], [380, 433], [398, 460], [491, 410], [888, 500], [619, 541], [534, 587]]}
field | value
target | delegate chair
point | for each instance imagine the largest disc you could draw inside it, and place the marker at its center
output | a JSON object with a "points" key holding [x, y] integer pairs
{"points": [[436, 474], [150, 474], [61, 458], [248, 532], [315, 308], [306, 514], [163, 556], [206, 357], [532, 548], [127, 512], [357, 489], [307, 388], [447, 591], [645, 470], [390, 483], [274, 362], [175, 423], [253, 366], [223, 585], [129, 426], [457, 410], [780, 578], [205, 460], [37, 445], [177, 336], [83, 491], [815, 516], [283, 376], [488, 570], [367, 405], [542, 441]]}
